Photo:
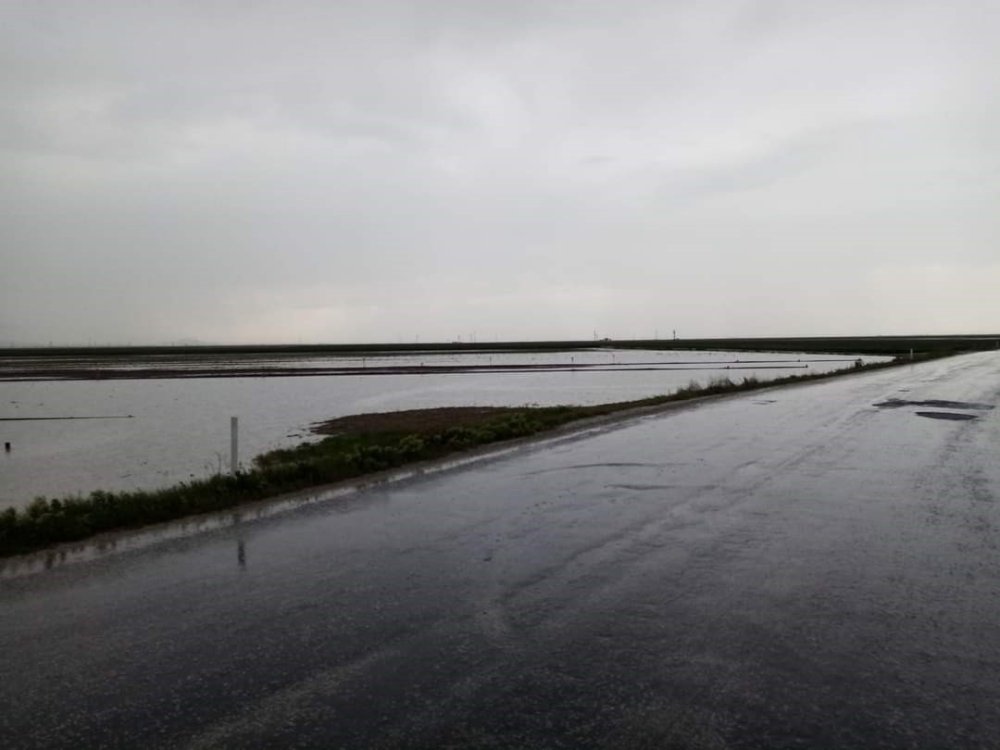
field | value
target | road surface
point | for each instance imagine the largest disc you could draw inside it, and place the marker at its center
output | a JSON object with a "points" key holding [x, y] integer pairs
{"points": [[788, 568]]}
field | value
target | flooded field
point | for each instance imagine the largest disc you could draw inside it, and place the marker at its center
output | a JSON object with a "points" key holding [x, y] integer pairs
{"points": [[75, 436]]}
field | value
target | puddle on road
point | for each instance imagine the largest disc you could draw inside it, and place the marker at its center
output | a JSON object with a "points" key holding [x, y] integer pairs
{"points": [[937, 403], [613, 465], [954, 416], [896, 403], [641, 487]]}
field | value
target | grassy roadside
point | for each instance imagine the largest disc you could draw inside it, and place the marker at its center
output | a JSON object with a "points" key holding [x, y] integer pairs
{"points": [[354, 446]]}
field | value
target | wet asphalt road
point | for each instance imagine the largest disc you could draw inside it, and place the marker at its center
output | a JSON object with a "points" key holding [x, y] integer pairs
{"points": [[787, 568]]}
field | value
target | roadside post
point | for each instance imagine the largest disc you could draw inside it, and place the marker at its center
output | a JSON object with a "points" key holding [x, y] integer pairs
{"points": [[234, 431]]}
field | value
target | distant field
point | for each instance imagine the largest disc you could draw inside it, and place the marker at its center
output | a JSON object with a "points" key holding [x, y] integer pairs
{"points": [[104, 363], [888, 345]]}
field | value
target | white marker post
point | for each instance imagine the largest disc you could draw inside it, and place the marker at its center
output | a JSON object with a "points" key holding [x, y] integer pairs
{"points": [[234, 439]]}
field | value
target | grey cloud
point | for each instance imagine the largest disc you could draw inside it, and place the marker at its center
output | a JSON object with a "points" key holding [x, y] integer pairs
{"points": [[398, 169]]}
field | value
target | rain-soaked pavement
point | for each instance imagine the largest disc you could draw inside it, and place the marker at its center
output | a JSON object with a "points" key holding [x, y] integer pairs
{"points": [[789, 568]]}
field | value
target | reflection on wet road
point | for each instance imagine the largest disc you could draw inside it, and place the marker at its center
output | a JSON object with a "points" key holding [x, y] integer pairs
{"points": [[800, 570]]}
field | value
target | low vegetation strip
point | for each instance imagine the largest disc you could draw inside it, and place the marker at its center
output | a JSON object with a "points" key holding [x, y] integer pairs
{"points": [[353, 447]]}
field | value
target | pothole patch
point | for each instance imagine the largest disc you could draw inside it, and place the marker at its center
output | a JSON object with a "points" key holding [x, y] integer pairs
{"points": [[952, 415]]}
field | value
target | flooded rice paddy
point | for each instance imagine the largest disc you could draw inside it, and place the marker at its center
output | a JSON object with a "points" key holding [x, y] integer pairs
{"points": [[75, 436]]}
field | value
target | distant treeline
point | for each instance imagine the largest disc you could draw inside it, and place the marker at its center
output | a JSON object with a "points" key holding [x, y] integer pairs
{"points": [[887, 345]]}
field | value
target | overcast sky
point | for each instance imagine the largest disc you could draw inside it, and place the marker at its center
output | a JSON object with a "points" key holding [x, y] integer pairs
{"points": [[382, 171]]}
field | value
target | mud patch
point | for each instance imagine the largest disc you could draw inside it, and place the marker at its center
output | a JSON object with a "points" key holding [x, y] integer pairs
{"points": [[952, 415], [411, 420]]}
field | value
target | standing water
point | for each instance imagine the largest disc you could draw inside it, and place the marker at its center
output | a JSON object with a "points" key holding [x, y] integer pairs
{"points": [[74, 436]]}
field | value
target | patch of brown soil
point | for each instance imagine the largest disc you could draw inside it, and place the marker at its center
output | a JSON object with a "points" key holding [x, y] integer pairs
{"points": [[411, 420]]}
